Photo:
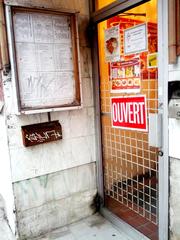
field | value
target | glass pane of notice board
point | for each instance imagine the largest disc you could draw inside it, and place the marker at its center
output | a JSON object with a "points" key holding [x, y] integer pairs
{"points": [[46, 56]]}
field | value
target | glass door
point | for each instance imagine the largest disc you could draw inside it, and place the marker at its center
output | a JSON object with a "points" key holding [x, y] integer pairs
{"points": [[128, 50]]}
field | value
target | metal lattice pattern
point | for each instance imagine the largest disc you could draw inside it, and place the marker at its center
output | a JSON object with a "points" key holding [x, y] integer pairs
{"points": [[130, 164]]}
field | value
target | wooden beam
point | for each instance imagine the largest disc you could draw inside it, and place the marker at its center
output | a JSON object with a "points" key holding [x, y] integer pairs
{"points": [[115, 8]]}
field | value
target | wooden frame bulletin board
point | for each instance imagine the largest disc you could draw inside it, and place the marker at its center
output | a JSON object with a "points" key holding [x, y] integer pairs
{"points": [[45, 55]]}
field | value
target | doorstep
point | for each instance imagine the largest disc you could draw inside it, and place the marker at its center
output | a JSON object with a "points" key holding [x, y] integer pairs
{"points": [[93, 227]]}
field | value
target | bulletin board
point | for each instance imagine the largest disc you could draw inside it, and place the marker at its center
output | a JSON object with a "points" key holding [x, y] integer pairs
{"points": [[47, 59]]}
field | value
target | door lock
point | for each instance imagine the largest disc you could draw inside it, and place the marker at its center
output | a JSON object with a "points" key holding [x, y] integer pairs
{"points": [[160, 153]]}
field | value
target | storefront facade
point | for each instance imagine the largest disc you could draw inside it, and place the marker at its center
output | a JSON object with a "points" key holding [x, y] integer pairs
{"points": [[118, 122], [133, 158]]}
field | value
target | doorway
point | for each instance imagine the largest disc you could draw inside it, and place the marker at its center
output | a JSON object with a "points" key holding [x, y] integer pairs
{"points": [[129, 103]]}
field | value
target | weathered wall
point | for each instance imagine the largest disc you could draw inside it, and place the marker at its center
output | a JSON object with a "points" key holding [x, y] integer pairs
{"points": [[55, 183], [6, 190], [174, 199], [5, 230], [54, 200], [174, 153]]}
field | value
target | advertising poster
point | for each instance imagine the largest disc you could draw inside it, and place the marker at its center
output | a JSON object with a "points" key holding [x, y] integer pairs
{"points": [[128, 23], [129, 112], [112, 44], [152, 60], [125, 76], [135, 39]]}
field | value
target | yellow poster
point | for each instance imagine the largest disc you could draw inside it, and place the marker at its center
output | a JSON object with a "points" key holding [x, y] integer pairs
{"points": [[152, 60]]}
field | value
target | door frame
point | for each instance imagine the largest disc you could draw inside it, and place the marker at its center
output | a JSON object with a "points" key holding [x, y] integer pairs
{"points": [[96, 17]]}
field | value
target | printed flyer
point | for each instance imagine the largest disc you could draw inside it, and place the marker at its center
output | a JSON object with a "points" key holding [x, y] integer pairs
{"points": [[152, 60], [148, 65], [125, 76], [112, 44]]}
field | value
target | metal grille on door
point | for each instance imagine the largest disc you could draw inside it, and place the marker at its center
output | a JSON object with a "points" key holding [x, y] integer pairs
{"points": [[130, 164]]}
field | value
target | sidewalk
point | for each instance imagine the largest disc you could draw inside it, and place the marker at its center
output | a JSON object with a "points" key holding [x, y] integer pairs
{"points": [[91, 228]]}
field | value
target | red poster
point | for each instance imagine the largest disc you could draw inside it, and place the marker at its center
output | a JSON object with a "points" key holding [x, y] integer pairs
{"points": [[129, 112], [125, 76]]}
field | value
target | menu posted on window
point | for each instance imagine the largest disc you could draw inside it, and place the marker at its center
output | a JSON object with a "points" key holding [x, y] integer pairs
{"points": [[125, 76], [112, 44], [129, 112]]}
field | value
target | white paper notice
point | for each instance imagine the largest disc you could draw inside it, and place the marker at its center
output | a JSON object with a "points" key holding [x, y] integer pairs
{"points": [[66, 85], [39, 88], [45, 58], [65, 63], [26, 56], [28, 86], [62, 32], [135, 39], [23, 29], [112, 44], [43, 28]]}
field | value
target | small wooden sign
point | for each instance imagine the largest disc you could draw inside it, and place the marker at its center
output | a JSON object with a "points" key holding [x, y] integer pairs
{"points": [[41, 133]]}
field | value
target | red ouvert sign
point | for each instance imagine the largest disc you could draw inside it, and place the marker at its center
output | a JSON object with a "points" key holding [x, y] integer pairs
{"points": [[129, 112]]}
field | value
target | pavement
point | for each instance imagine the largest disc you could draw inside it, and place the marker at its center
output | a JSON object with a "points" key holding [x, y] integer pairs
{"points": [[91, 228]]}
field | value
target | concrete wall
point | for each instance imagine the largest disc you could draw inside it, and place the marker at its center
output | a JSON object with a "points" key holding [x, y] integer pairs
{"points": [[174, 199], [5, 230], [174, 153], [6, 190], [54, 184]]}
